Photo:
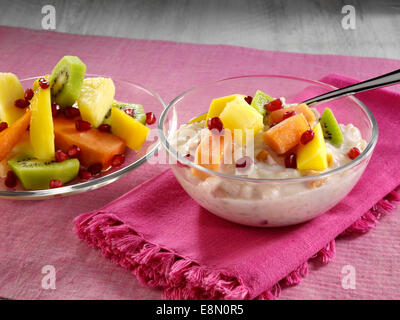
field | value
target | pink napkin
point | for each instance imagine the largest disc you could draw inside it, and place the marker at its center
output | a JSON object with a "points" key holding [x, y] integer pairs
{"points": [[167, 240]]}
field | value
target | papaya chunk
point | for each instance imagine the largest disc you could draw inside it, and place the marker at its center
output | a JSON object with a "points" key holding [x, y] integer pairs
{"points": [[277, 115]]}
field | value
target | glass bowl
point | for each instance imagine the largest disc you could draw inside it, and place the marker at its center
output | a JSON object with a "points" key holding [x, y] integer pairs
{"points": [[125, 91], [266, 202]]}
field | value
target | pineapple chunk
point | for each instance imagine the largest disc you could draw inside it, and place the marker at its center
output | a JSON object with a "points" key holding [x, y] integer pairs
{"points": [[41, 127], [312, 156], [239, 115], [218, 105], [10, 90], [95, 100], [128, 129]]}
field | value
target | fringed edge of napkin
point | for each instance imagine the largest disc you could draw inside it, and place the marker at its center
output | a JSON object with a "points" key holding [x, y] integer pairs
{"points": [[182, 278]]}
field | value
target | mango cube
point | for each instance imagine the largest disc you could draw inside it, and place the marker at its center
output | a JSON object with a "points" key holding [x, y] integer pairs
{"points": [[218, 105], [312, 156], [239, 115], [10, 90], [128, 129]]}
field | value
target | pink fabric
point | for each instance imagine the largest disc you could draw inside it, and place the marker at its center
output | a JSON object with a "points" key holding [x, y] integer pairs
{"points": [[38, 233]]}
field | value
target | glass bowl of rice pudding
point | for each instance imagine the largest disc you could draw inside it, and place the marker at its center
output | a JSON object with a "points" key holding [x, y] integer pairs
{"points": [[256, 185]]}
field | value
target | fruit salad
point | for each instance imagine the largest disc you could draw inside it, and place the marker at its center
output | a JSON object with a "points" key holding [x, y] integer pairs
{"points": [[65, 128]]}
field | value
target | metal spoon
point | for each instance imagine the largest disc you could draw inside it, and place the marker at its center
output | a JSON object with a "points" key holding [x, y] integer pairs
{"points": [[387, 79]]}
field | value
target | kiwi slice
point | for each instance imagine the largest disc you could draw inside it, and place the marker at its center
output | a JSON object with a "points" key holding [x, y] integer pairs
{"points": [[260, 99], [330, 128], [137, 111], [66, 80], [36, 174]]}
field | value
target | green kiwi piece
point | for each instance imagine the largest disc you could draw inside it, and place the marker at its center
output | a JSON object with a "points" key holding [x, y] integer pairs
{"points": [[66, 80], [260, 99], [330, 128], [36, 174], [138, 111]]}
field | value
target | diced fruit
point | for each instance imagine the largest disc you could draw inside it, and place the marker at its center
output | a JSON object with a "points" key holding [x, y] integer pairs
{"points": [[244, 163], [44, 83], [37, 174], [218, 105], [11, 180], [41, 126], [150, 118], [290, 161], [56, 184], [278, 115], [128, 129], [239, 115], [353, 153], [312, 156], [286, 134], [329, 159], [95, 100], [95, 169], [95, 146], [215, 124], [307, 136], [330, 128], [274, 105], [71, 112], [262, 156], [81, 125], [199, 118], [10, 91], [66, 80], [259, 101], [134, 110], [13, 134]]}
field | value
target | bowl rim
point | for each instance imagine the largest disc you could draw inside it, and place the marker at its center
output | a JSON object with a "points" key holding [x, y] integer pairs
{"points": [[366, 152], [96, 182]]}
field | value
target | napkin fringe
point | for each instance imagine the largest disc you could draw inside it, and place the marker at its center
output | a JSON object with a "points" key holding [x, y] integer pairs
{"points": [[183, 278]]}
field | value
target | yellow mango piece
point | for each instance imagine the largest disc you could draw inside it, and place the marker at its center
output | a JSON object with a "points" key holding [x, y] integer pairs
{"points": [[313, 156], [10, 90], [198, 118], [239, 115], [217, 105], [128, 129], [41, 126]]}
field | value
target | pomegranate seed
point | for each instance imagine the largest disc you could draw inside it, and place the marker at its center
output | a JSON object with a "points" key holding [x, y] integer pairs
{"points": [[248, 99], [118, 160], [353, 153], [55, 109], [44, 83], [56, 184], [288, 114], [11, 180], [290, 161], [84, 174], [82, 125], [71, 112], [130, 112], [3, 126], [60, 156], [95, 168], [307, 136], [150, 118], [244, 162], [29, 94], [104, 128], [21, 103], [274, 105], [215, 123], [74, 151]]}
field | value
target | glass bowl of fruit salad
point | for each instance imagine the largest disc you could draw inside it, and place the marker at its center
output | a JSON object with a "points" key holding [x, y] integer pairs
{"points": [[248, 151], [70, 132]]}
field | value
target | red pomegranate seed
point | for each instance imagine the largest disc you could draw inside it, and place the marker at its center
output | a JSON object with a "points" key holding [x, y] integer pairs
{"points": [[150, 118], [21, 103], [29, 94], [104, 128], [130, 112], [84, 174], [288, 114], [291, 161], [95, 168], [71, 112], [248, 99], [44, 83], [11, 180], [61, 156], [118, 160], [215, 123], [307, 136], [56, 184], [55, 109], [74, 151], [274, 105], [82, 125], [353, 153], [3, 126], [244, 162]]}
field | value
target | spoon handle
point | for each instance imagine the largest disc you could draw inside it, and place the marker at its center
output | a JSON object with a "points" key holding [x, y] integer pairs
{"points": [[381, 81]]}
